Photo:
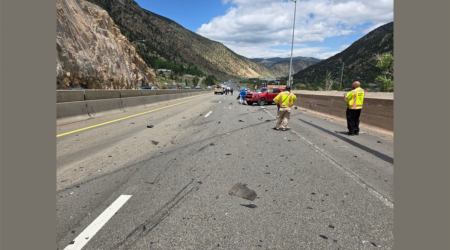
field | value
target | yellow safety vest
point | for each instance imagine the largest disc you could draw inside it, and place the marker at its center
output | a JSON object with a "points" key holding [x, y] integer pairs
{"points": [[355, 98], [285, 99]]}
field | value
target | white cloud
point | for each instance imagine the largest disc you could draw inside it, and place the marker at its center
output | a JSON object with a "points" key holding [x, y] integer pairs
{"points": [[251, 27]]}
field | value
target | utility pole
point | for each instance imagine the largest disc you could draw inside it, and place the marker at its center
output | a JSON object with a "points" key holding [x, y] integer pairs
{"points": [[342, 75], [292, 45]]}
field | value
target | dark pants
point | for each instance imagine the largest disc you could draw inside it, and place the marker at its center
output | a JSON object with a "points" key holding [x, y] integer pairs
{"points": [[353, 120]]}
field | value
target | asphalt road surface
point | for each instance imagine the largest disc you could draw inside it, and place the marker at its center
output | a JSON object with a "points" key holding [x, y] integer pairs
{"points": [[161, 180]]}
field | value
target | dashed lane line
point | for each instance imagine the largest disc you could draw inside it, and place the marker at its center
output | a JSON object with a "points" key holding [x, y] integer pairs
{"points": [[208, 114], [84, 237]]}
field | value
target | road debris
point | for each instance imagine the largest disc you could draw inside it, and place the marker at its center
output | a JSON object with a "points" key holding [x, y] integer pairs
{"points": [[323, 237], [241, 121], [242, 191], [249, 205], [155, 142], [150, 126]]}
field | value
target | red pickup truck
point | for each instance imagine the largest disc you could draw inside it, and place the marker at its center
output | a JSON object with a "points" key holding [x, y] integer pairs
{"points": [[263, 96]]}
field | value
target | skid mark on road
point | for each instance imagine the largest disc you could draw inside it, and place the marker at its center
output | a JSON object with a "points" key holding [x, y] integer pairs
{"points": [[145, 228], [350, 173]]}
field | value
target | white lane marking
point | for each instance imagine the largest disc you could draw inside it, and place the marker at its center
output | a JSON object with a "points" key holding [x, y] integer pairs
{"points": [[347, 171], [220, 102], [208, 114], [97, 224]]}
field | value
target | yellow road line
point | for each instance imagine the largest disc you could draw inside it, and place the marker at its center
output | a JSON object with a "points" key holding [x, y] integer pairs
{"points": [[120, 119]]}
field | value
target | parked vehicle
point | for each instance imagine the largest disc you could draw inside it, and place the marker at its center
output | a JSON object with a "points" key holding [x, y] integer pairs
{"points": [[174, 87], [218, 90], [148, 87], [263, 96]]}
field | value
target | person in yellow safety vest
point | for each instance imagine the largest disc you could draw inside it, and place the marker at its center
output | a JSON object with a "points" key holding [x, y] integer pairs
{"points": [[284, 100], [354, 99]]}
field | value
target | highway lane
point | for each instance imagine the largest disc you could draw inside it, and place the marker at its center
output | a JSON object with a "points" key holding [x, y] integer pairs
{"points": [[316, 189]]}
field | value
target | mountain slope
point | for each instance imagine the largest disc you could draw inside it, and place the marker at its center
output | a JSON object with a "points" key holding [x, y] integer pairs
{"points": [[280, 66], [271, 61], [359, 60], [168, 40], [91, 51]]}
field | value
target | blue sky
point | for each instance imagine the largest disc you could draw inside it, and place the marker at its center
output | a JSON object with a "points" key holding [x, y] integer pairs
{"points": [[263, 28]]}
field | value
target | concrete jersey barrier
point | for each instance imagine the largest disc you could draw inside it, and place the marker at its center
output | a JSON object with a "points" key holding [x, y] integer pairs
{"points": [[378, 109], [76, 105]]}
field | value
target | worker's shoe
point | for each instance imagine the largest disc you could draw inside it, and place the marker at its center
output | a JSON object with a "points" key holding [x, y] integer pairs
{"points": [[275, 128], [350, 133]]}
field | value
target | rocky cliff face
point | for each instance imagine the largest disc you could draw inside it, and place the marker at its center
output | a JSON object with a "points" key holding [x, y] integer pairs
{"points": [[92, 53]]}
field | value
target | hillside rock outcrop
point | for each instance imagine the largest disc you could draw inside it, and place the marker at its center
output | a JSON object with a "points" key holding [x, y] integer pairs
{"points": [[92, 53]]}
